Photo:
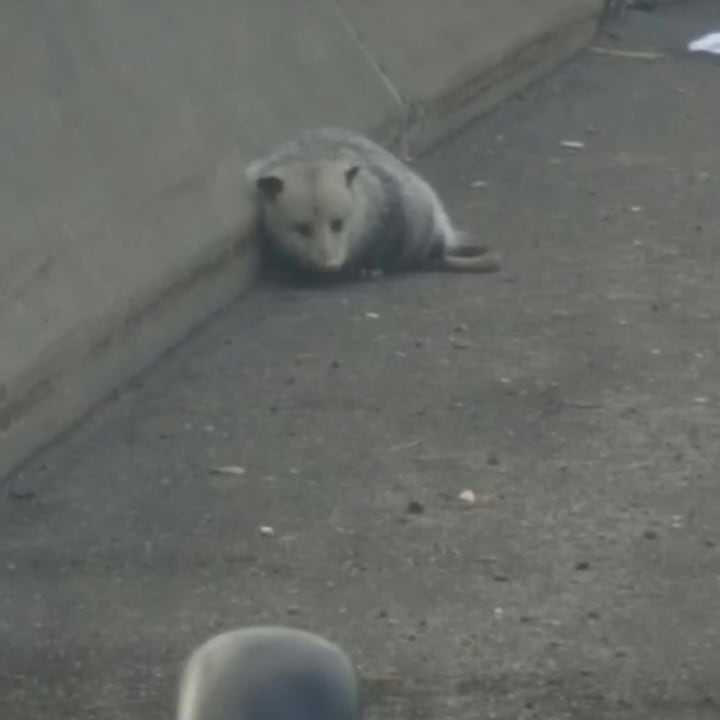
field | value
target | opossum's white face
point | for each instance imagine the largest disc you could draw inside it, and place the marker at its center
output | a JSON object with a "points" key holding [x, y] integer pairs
{"points": [[308, 209]]}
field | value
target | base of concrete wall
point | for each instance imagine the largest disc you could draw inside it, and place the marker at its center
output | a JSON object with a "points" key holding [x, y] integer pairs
{"points": [[482, 91], [72, 382]]}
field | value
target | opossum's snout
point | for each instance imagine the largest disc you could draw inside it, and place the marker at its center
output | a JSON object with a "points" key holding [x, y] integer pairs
{"points": [[331, 247], [332, 264], [321, 244]]}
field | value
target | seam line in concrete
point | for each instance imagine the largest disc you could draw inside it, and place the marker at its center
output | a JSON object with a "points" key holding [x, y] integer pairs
{"points": [[376, 66]]}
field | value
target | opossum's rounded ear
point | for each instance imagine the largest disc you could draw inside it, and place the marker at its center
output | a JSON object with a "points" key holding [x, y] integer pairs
{"points": [[270, 186], [350, 174]]}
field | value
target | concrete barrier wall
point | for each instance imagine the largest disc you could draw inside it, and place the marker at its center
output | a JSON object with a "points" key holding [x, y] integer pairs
{"points": [[124, 129]]}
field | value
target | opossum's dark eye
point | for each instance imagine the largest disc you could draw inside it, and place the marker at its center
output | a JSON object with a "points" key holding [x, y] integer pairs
{"points": [[336, 226], [304, 229]]}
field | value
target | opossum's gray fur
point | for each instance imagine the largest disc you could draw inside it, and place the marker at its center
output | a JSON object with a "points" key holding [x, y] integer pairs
{"points": [[332, 199], [268, 673]]}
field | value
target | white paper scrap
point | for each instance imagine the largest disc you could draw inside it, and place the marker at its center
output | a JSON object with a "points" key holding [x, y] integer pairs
{"points": [[707, 43]]}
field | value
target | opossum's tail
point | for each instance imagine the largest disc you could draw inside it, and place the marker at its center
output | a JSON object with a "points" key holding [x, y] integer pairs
{"points": [[484, 263], [464, 255]]}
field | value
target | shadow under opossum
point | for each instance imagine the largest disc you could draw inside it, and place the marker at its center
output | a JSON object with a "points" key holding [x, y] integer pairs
{"points": [[279, 270]]}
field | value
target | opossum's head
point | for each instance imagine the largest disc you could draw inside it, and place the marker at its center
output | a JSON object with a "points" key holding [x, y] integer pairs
{"points": [[309, 210]]}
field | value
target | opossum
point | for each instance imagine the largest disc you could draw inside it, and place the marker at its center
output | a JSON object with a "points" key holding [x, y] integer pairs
{"points": [[333, 201], [268, 673]]}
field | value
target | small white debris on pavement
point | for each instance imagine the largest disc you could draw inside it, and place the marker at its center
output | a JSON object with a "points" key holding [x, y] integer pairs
{"points": [[573, 144], [467, 496], [709, 43], [229, 470]]}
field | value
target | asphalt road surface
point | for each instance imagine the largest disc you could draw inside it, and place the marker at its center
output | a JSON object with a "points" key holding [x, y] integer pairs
{"points": [[576, 394]]}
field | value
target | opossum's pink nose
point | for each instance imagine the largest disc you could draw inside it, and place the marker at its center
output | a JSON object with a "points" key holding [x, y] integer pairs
{"points": [[332, 261], [332, 257]]}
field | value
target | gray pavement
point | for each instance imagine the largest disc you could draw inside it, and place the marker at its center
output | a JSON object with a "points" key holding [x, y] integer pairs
{"points": [[577, 394]]}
